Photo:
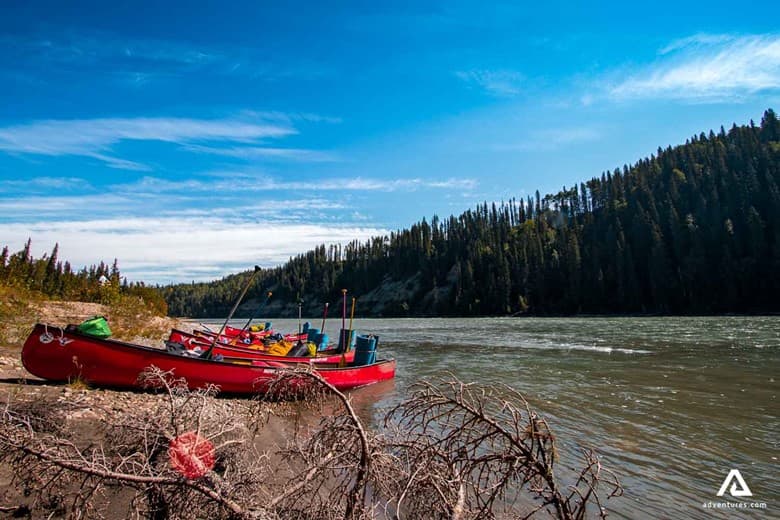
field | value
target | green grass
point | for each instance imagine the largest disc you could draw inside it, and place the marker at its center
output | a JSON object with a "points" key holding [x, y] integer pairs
{"points": [[16, 312], [77, 383]]}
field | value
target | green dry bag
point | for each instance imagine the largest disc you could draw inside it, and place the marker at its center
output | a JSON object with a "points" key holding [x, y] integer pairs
{"points": [[95, 326]]}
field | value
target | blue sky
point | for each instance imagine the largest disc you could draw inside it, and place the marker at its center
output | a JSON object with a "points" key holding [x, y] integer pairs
{"points": [[197, 139]]}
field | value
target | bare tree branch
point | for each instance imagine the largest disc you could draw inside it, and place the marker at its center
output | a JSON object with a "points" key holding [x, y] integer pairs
{"points": [[449, 450]]}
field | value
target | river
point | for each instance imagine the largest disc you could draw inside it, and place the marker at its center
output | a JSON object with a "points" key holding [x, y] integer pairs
{"points": [[671, 405]]}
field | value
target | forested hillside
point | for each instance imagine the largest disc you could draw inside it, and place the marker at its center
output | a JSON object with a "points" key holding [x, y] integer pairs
{"points": [[691, 229]]}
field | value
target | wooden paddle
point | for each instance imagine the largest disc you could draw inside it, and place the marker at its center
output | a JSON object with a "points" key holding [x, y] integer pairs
{"points": [[324, 315], [300, 304], [207, 354], [351, 317], [343, 361], [343, 314]]}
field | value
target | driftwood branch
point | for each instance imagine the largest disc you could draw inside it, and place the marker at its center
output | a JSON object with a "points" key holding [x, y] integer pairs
{"points": [[471, 449]]}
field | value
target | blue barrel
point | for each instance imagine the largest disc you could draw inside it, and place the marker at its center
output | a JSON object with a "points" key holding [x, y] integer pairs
{"points": [[322, 341], [319, 339], [267, 325], [365, 350], [349, 336]]}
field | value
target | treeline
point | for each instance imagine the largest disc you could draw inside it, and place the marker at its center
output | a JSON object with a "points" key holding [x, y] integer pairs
{"points": [[56, 279], [691, 229]]}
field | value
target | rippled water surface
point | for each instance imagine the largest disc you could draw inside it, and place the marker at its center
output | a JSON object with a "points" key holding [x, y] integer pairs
{"points": [[671, 404]]}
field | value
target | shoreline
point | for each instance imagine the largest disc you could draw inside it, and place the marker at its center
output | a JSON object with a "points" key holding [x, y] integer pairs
{"points": [[187, 319]]}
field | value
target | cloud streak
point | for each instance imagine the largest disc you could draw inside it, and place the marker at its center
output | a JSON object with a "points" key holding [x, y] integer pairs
{"points": [[95, 137], [240, 182], [141, 60], [499, 83], [264, 152], [44, 184], [180, 203], [707, 67], [237, 196], [552, 139]]}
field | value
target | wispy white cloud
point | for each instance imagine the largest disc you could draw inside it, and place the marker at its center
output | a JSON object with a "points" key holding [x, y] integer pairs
{"points": [[450, 183], [365, 184], [66, 207], [267, 152], [116, 162], [152, 50], [95, 137], [290, 117], [551, 139], [163, 250], [173, 200], [696, 40], [230, 183], [101, 52], [708, 67], [44, 183], [264, 183], [501, 83]]}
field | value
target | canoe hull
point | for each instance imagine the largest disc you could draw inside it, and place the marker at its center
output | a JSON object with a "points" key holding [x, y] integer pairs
{"points": [[58, 355]]}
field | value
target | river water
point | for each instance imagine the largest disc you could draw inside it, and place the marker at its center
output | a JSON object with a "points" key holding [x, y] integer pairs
{"points": [[670, 404]]}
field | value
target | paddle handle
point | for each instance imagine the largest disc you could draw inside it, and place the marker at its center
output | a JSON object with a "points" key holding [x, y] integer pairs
{"points": [[324, 315], [343, 308], [300, 304], [348, 343]]}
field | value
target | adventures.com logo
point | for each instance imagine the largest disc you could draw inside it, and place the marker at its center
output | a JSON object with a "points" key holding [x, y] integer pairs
{"points": [[737, 488]]}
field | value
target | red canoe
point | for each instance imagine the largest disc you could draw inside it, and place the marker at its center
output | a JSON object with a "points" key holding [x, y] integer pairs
{"points": [[233, 337], [65, 354], [233, 332], [191, 341]]}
